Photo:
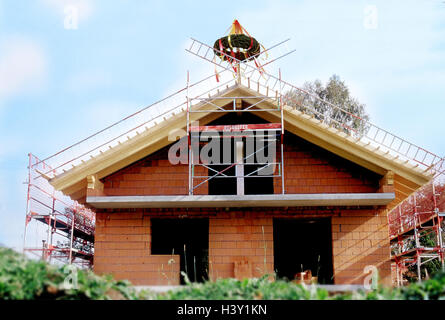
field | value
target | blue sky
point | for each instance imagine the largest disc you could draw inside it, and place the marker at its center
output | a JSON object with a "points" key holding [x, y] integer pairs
{"points": [[58, 85]]}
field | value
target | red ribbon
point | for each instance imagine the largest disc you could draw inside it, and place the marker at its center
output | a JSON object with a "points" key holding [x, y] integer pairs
{"points": [[221, 48], [251, 44]]}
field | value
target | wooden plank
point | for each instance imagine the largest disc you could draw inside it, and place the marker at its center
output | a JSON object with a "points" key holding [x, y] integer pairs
{"points": [[345, 147], [132, 150], [387, 179], [237, 127]]}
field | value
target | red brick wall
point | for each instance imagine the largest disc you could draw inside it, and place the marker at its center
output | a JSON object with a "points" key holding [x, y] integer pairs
{"points": [[311, 169], [153, 175], [240, 236], [122, 246], [308, 169], [360, 239]]}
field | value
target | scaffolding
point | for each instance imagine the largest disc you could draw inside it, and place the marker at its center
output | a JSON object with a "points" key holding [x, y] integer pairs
{"points": [[267, 136], [64, 229], [270, 135], [416, 230]]}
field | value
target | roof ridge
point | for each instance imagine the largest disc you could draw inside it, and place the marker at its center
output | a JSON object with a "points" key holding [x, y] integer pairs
{"points": [[201, 89]]}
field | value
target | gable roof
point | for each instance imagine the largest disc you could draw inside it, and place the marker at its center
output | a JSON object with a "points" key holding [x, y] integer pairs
{"points": [[407, 175]]}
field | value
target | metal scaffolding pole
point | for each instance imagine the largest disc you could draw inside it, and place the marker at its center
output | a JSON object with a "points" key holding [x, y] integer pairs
{"points": [[63, 219], [282, 136], [417, 217], [189, 138]]}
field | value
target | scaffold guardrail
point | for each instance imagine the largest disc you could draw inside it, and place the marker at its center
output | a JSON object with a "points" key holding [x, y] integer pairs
{"points": [[64, 227], [416, 228]]}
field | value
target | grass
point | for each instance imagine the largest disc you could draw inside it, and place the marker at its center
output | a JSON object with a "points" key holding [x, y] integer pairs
{"points": [[22, 278]]}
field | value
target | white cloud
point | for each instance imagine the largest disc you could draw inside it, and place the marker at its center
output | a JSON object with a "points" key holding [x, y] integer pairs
{"points": [[331, 38], [84, 7], [23, 67]]}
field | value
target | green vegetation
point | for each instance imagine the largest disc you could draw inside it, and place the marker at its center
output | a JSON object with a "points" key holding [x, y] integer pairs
{"points": [[21, 278], [427, 239], [432, 289], [336, 93], [247, 289]]}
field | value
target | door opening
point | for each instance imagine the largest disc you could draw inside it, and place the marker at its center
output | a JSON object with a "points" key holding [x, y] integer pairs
{"points": [[189, 238], [301, 245]]}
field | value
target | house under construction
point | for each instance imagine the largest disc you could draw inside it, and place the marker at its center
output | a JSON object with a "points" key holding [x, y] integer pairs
{"points": [[239, 175]]}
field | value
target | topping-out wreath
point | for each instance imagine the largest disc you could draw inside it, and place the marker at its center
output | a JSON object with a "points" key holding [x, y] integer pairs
{"points": [[238, 46]]}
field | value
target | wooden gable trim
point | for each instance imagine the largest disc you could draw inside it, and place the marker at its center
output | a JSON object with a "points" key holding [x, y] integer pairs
{"points": [[296, 122], [339, 143], [138, 147]]}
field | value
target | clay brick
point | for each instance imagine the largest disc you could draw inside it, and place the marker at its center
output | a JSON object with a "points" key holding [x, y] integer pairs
{"points": [[125, 215], [122, 231], [123, 245], [227, 244], [244, 245], [124, 237], [124, 223]]}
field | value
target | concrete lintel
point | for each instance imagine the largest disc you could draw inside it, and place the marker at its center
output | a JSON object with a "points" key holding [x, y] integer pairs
{"points": [[269, 200]]}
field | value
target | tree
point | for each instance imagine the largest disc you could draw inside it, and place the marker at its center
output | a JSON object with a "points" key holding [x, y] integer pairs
{"points": [[331, 104]]}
